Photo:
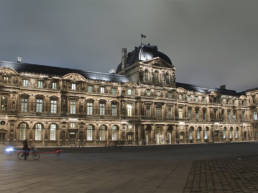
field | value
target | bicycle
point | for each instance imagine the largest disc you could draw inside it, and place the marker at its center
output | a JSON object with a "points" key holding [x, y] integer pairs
{"points": [[32, 153]]}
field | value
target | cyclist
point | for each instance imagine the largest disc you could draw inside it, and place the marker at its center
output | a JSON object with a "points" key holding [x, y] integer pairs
{"points": [[26, 149]]}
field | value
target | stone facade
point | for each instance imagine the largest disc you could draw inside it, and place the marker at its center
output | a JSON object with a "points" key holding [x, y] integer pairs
{"points": [[74, 108]]}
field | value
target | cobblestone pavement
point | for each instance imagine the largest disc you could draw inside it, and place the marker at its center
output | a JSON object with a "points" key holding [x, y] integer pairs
{"points": [[172, 169], [239, 175]]}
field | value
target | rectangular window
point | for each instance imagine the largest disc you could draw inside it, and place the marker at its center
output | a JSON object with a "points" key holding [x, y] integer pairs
{"points": [[54, 85], [129, 92], [255, 116], [40, 84], [39, 105], [189, 110], [158, 112], [73, 86], [90, 89], [129, 110], [102, 109], [24, 105], [72, 125], [53, 106], [53, 132], [148, 92], [114, 91], [102, 90], [72, 107], [89, 133], [5, 78], [229, 118], [25, 83], [148, 111], [180, 113], [114, 110], [38, 132], [89, 108]]}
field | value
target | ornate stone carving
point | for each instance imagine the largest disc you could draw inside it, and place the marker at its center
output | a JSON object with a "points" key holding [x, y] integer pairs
{"points": [[74, 76]]}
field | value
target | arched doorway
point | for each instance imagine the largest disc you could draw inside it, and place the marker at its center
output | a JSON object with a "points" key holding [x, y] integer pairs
{"points": [[159, 137], [3, 134], [148, 135], [169, 134], [190, 137]]}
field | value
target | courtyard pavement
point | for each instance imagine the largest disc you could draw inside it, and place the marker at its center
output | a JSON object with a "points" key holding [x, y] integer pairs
{"points": [[212, 168]]}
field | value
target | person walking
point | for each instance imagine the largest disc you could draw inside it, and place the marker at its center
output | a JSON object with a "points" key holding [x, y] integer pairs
{"points": [[25, 149]]}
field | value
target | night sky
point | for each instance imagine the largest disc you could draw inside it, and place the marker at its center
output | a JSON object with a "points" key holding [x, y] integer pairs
{"points": [[211, 42]]}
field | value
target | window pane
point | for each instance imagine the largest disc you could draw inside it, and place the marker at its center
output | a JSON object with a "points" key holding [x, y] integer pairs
{"points": [[24, 105], [90, 133], [89, 108], [53, 107], [72, 107], [102, 109], [53, 132], [38, 132], [39, 105]]}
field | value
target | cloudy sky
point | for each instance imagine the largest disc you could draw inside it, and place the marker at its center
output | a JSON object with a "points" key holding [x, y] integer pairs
{"points": [[211, 42]]}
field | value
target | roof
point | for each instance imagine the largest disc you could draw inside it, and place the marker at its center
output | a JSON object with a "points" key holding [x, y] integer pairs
{"points": [[60, 71], [207, 90], [144, 53]]}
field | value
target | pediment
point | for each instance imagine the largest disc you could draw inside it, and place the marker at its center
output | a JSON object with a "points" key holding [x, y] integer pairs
{"points": [[158, 62], [8, 71], [74, 76]]}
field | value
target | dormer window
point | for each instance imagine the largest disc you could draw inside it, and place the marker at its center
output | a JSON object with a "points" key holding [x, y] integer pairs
{"points": [[40, 84], [73, 86]]}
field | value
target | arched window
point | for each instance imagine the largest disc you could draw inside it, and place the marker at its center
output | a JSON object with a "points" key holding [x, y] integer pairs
{"points": [[231, 133], [38, 132], [52, 136], [114, 133], [90, 133], [206, 133], [191, 133], [198, 133], [236, 133], [22, 131], [224, 133], [102, 133]]}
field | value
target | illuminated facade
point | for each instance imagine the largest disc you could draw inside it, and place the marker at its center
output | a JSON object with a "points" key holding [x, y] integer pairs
{"points": [[140, 104]]}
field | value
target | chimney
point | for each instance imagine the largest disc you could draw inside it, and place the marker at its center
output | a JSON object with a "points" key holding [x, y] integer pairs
{"points": [[124, 57], [222, 87], [19, 59]]}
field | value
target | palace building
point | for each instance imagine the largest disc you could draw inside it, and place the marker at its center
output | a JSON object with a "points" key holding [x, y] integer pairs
{"points": [[140, 104]]}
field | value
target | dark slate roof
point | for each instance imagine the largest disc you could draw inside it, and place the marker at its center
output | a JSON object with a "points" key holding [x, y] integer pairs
{"points": [[59, 71], [140, 52], [207, 90]]}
